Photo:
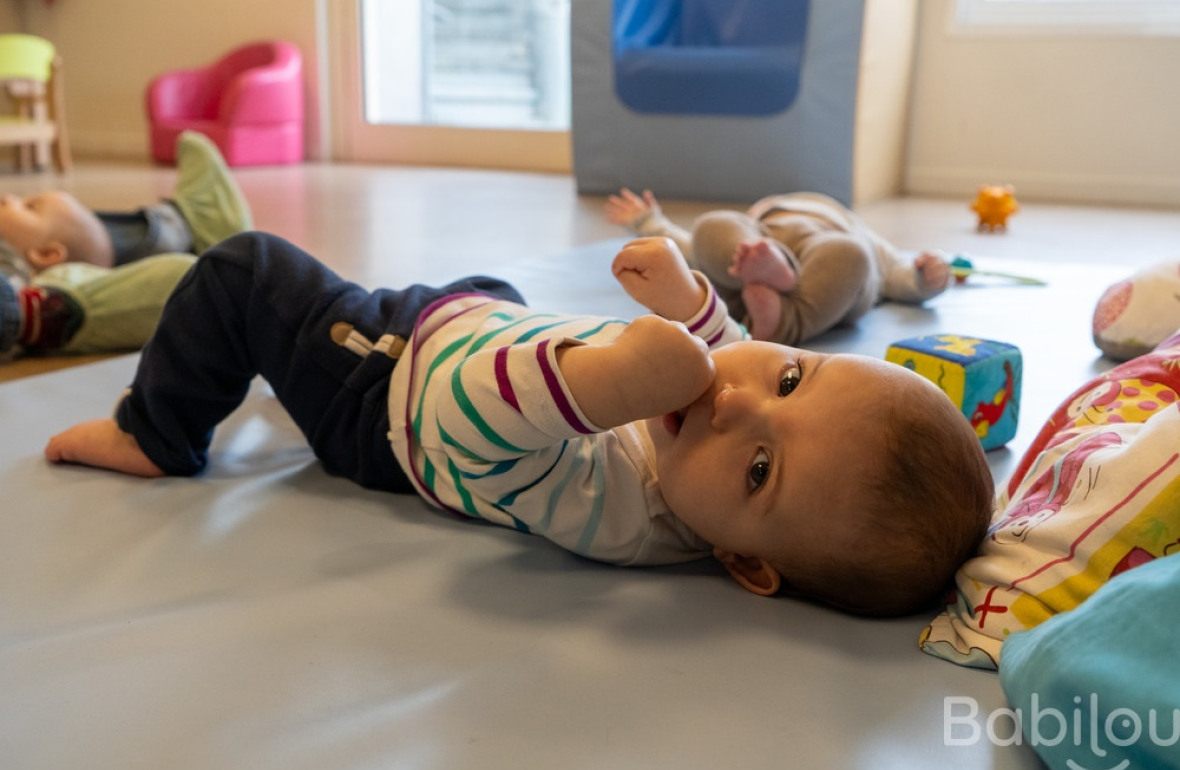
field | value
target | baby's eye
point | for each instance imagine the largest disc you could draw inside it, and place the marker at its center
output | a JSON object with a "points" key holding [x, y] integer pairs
{"points": [[759, 470], [791, 379]]}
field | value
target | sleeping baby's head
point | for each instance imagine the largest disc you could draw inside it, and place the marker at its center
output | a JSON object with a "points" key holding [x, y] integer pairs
{"points": [[49, 228], [847, 480]]}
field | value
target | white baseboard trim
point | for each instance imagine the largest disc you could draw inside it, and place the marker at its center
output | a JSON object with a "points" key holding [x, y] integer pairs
{"points": [[1055, 186]]}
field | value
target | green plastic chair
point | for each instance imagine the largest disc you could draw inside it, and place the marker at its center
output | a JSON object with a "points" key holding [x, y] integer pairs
{"points": [[30, 74]]}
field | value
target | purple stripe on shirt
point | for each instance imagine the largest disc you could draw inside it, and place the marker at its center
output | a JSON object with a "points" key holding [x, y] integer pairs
{"points": [[701, 321], [715, 338], [555, 391], [433, 307], [420, 482], [505, 384]]}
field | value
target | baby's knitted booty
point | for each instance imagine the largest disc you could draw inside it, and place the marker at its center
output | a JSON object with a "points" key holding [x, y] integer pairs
{"points": [[206, 193]]}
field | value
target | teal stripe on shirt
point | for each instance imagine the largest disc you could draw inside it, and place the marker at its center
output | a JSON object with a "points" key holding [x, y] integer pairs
{"points": [[469, 502], [464, 495], [510, 497], [595, 518], [451, 441], [474, 417], [446, 353], [479, 343], [537, 330], [497, 469], [590, 530], [591, 332], [575, 466]]}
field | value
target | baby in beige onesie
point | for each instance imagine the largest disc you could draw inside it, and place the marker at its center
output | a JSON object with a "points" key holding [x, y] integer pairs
{"points": [[792, 266]]}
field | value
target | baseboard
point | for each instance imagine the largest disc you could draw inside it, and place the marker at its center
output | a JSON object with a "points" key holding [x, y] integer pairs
{"points": [[133, 145], [1071, 187], [99, 143]]}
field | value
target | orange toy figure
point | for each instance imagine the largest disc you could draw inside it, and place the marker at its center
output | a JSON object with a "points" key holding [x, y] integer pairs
{"points": [[994, 204]]}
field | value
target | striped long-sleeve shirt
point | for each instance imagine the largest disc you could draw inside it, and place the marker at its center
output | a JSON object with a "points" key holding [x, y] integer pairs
{"points": [[483, 423]]}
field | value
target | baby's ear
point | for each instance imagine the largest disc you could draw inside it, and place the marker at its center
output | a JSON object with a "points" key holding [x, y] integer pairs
{"points": [[45, 257], [752, 573]]}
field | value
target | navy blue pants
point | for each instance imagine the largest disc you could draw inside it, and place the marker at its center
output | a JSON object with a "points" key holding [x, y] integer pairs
{"points": [[256, 304]]}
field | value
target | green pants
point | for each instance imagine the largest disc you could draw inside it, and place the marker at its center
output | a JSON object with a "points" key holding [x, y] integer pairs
{"points": [[120, 305]]}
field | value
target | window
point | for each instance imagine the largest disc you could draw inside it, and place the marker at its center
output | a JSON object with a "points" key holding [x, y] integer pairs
{"points": [[470, 63], [1146, 17], [476, 83]]}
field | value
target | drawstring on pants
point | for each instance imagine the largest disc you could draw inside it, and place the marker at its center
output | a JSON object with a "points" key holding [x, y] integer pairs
{"points": [[346, 336]]}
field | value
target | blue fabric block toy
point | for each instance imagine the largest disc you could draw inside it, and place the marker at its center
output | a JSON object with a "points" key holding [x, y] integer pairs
{"points": [[981, 376]]}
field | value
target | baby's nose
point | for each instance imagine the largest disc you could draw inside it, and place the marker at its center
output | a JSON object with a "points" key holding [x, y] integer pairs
{"points": [[730, 405]]}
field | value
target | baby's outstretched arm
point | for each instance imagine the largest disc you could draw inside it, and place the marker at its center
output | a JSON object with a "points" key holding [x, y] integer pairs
{"points": [[102, 444], [629, 210], [914, 278], [655, 367], [642, 215]]}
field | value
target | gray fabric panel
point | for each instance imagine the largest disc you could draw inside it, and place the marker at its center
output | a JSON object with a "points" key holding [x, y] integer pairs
{"points": [[807, 147]]}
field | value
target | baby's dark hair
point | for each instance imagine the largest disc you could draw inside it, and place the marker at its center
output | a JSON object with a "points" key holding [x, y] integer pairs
{"points": [[928, 507]]}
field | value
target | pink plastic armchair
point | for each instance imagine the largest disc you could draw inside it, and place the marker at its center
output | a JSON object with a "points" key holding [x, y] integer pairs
{"points": [[249, 102]]}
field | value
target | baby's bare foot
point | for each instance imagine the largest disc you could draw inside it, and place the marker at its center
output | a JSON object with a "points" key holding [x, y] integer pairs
{"points": [[102, 444], [764, 306], [762, 261]]}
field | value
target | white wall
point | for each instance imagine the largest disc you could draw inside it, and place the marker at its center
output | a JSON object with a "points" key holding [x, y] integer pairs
{"points": [[111, 49], [1075, 118], [1087, 118], [883, 98]]}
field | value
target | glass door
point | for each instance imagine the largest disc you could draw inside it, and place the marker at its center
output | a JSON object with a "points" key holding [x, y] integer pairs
{"points": [[464, 82]]}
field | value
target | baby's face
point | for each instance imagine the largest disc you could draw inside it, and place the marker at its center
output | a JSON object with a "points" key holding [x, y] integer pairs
{"points": [[31, 223], [770, 459]]}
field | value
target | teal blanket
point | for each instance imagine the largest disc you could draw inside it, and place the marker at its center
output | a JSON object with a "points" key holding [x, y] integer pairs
{"points": [[1098, 688]]}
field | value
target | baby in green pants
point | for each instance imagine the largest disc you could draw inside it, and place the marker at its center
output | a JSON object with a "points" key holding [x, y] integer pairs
{"points": [[77, 281]]}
